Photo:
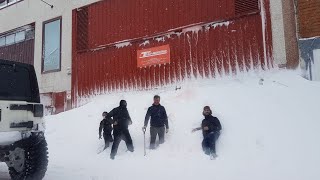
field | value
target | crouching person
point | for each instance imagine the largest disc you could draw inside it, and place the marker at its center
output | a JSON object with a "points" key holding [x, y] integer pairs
{"points": [[106, 126], [211, 128]]}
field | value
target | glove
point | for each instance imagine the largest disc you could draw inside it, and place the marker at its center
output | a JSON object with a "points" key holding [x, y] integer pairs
{"points": [[115, 123], [130, 122], [100, 136], [144, 128], [196, 129], [167, 130]]}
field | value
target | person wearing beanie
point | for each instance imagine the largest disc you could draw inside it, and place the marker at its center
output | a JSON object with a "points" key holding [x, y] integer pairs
{"points": [[106, 126], [121, 120], [211, 128], [159, 122]]}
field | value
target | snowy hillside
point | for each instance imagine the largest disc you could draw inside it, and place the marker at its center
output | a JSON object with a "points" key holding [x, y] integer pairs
{"points": [[270, 132]]}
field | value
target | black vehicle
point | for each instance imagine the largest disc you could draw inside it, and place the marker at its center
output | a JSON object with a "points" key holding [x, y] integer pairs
{"points": [[22, 143]]}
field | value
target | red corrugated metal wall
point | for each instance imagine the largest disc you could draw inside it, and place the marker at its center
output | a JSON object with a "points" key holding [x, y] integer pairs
{"points": [[59, 102], [117, 20], [207, 38], [55, 102]]}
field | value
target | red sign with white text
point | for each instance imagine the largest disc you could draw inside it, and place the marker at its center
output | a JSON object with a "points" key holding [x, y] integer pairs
{"points": [[153, 56]]}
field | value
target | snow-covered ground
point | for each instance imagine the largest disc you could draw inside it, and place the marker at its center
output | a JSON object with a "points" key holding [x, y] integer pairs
{"points": [[270, 132]]}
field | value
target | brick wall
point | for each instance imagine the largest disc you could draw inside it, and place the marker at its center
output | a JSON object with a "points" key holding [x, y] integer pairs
{"points": [[309, 18]]}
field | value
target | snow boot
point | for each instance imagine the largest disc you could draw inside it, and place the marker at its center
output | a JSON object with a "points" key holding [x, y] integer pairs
{"points": [[213, 155], [105, 147]]}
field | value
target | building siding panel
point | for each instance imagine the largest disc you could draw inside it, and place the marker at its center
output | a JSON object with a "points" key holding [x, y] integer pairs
{"points": [[20, 52], [206, 40]]}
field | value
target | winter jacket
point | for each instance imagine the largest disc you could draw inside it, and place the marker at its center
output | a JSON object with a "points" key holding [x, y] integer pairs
{"points": [[212, 123], [105, 124], [158, 116], [121, 117]]}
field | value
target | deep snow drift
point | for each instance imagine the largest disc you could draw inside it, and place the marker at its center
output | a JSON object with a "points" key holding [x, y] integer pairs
{"points": [[270, 132]]}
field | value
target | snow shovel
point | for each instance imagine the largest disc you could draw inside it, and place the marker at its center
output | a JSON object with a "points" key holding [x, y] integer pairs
{"points": [[144, 141]]}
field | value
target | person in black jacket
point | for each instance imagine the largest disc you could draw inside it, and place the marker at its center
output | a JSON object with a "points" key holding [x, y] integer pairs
{"points": [[211, 128], [159, 122], [106, 126], [121, 120]]}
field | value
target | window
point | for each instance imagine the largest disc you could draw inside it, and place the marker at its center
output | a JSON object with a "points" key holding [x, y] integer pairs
{"points": [[82, 29], [10, 39], [243, 7], [11, 1], [17, 35], [20, 36], [2, 41], [5, 3], [17, 84], [29, 34], [51, 46]]}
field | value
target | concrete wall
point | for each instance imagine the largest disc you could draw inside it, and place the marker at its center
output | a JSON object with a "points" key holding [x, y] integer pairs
{"points": [[278, 35], [285, 46], [29, 11]]}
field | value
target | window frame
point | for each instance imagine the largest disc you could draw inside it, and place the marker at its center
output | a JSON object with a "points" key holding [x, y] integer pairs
{"points": [[24, 37], [14, 38], [43, 41], [17, 1]]}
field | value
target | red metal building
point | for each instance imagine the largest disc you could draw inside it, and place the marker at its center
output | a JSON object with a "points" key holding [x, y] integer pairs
{"points": [[201, 39]]}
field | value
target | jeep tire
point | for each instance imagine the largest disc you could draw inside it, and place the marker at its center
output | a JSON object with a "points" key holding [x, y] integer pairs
{"points": [[35, 153]]}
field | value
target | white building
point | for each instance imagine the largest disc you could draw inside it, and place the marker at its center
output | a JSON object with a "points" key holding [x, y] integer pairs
{"points": [[15, 14]]}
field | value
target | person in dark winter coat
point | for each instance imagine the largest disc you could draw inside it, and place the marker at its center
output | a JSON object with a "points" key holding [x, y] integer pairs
{"points": [[106, 126], [121, 120], [211, 128], [159, 122]]}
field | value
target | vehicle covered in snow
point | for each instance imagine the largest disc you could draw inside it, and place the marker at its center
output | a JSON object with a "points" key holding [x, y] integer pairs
{"points": [[22, 143]]}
